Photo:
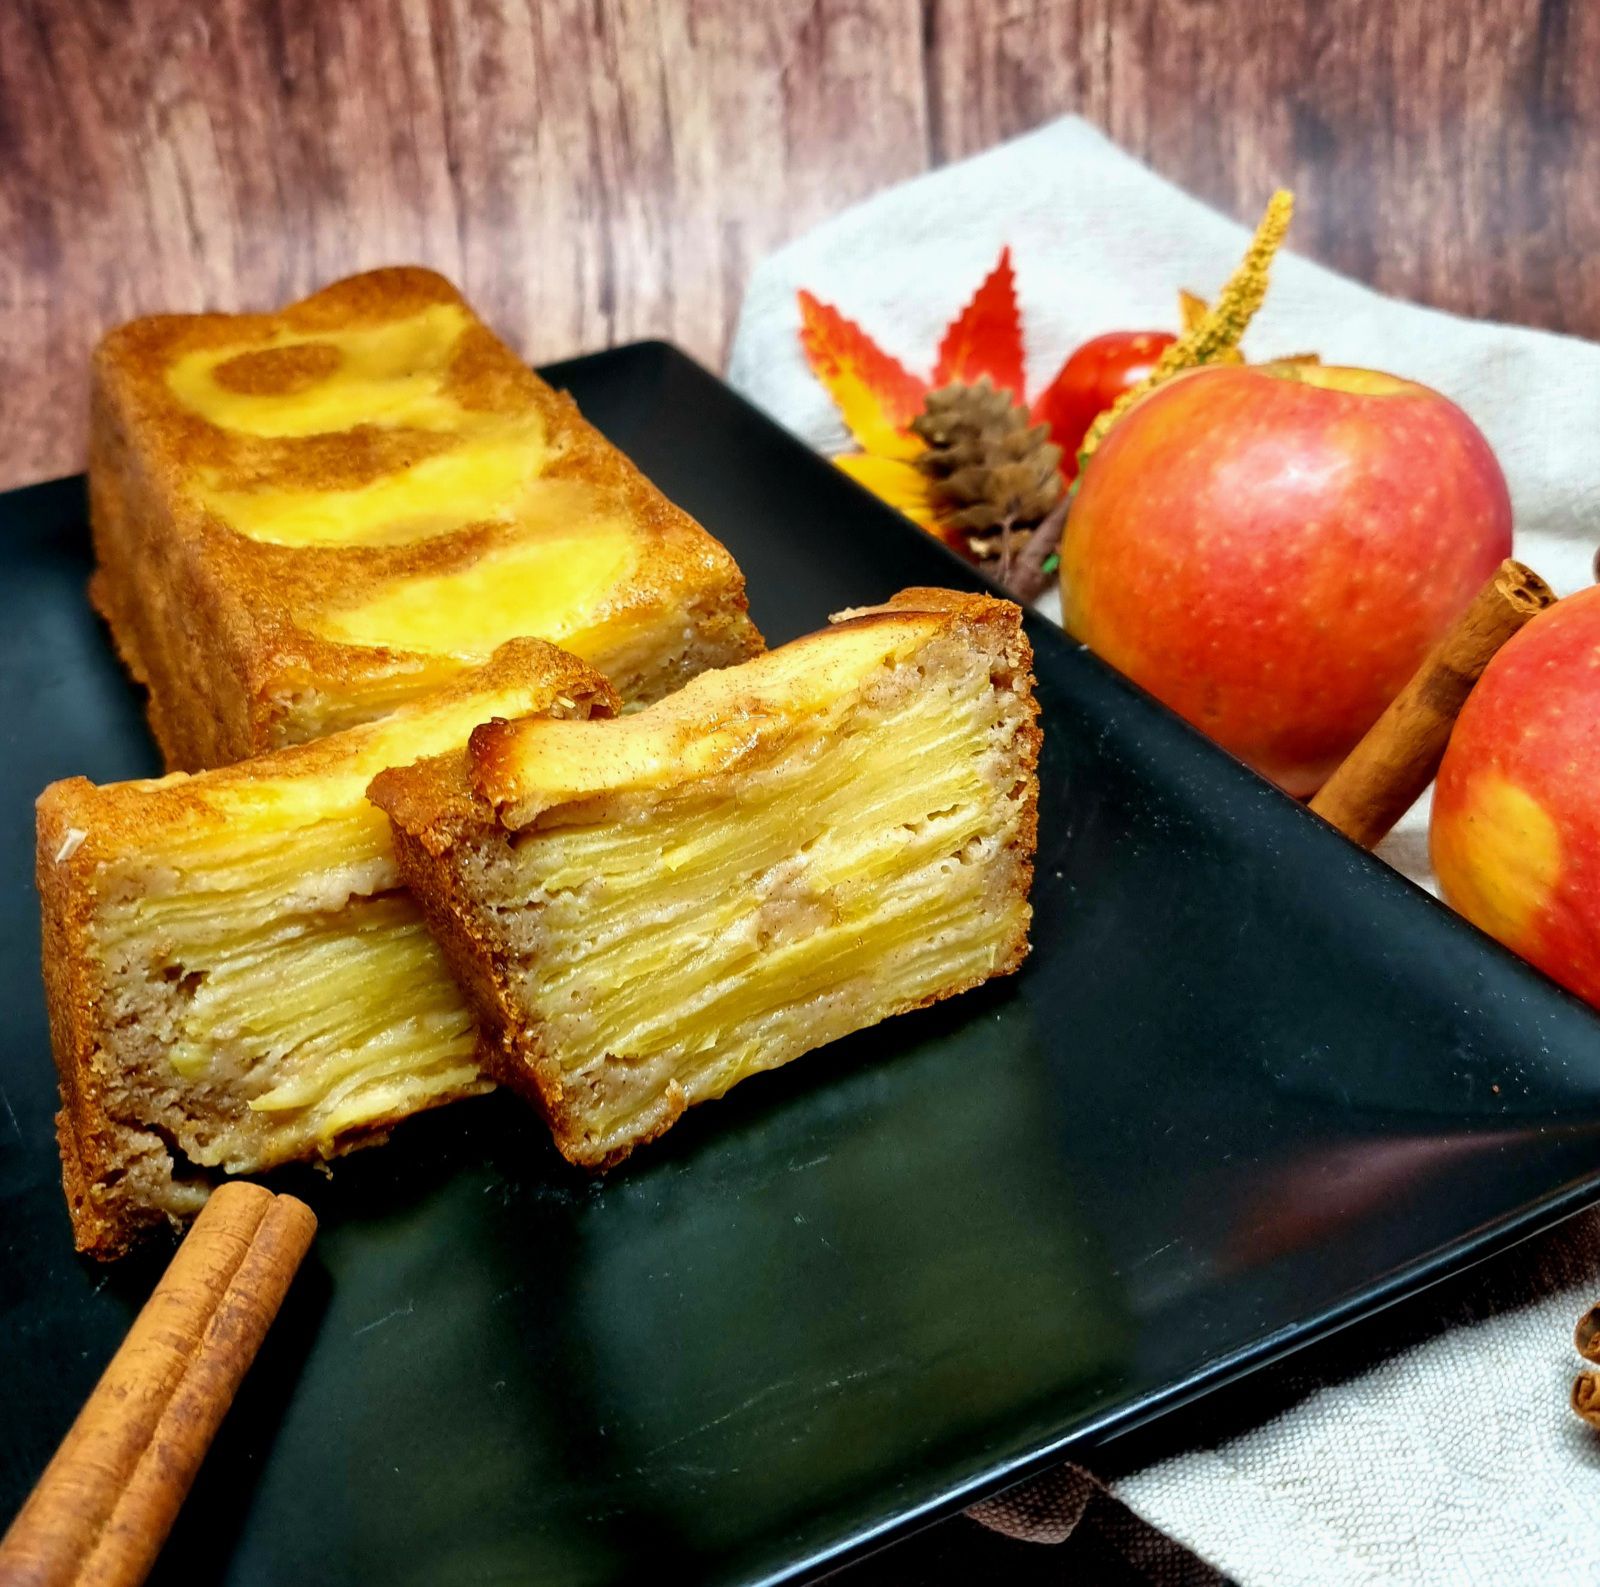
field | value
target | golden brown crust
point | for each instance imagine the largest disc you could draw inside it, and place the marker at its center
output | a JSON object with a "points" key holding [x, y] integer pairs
{"points": [[437, 804], [447, 801], [214, 622], [82, 827], [88, 1157]]}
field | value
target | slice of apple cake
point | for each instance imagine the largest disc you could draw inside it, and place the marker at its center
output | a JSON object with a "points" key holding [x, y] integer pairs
{"points": [[647, 910], [235, 973]]}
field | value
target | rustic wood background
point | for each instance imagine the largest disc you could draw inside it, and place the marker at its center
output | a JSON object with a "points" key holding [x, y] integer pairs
{"points": [[596, 170]]}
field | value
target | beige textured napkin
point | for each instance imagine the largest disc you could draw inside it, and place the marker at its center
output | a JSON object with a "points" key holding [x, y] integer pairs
{"points": [[1456, 1458]]}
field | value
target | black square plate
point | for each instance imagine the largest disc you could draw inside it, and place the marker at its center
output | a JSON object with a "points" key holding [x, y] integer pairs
{"points": [[1251, 1085]]}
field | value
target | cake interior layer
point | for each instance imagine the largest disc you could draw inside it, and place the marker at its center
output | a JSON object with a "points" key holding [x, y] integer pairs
{"points": [[865, 867], [268, 986], [279, 998]]}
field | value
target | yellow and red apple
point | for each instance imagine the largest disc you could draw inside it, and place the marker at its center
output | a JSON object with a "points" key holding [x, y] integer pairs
{"points": [[1273, 549], [1515, 831]]}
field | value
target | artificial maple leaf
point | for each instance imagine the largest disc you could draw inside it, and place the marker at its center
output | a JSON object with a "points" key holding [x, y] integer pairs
{"points": [[902, 484], [876, 395], [985, 338]]}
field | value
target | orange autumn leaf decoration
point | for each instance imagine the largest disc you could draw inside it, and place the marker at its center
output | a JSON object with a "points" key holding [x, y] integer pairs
{"points": [[878, 397], [985, 338]]}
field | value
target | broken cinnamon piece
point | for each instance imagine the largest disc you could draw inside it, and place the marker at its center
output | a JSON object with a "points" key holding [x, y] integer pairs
{"points": [[1027, 579], [1382, 776]]}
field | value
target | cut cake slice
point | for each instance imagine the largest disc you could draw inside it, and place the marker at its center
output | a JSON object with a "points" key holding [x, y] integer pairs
{"points": [[303, 518], [647, 910], [235, 973]]}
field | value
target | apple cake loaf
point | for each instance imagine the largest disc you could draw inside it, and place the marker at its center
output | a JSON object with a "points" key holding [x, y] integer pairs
{"points": [[236, 975], [647, 910], [303, 518]]}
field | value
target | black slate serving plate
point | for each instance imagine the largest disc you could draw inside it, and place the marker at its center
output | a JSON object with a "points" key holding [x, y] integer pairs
{"points": [[1250, 1086]]}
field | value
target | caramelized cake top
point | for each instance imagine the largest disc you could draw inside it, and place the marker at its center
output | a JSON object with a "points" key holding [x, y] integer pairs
{"points": [[372, 470]]}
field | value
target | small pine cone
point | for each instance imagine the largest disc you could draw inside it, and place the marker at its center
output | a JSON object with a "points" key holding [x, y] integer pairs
{"points": [[990, 469], [959, 419]]}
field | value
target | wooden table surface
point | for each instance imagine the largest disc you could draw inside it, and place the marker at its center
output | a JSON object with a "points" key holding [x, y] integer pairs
{"points": [[596, 170]]}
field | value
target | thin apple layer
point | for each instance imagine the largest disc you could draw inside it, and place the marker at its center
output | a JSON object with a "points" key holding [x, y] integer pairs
{"points": [[283, 1028]]}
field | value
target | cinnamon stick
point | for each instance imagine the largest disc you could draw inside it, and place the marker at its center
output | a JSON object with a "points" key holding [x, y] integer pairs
{"points": [[108, 1498], [1382, 776], [1027, 579]]}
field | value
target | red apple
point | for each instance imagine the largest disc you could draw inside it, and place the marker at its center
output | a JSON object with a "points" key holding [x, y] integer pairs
{"points": [[1272, 549], [1515, 831]]}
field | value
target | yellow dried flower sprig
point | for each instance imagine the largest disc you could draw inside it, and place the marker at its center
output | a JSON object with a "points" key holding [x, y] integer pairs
{"points": [[1212, 337]]}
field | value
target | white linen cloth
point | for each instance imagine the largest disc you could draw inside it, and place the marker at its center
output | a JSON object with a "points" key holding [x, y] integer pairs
{"points": [[1396, 1474]]}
